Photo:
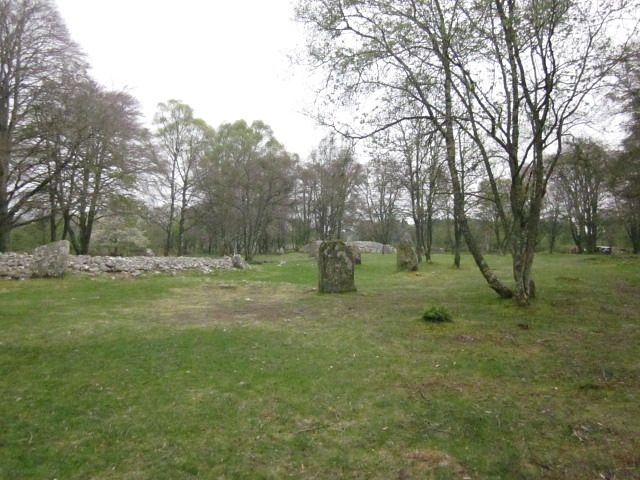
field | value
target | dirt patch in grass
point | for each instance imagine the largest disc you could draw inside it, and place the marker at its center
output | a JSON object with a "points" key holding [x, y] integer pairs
{"points": [[238, 303], [423, 462]]}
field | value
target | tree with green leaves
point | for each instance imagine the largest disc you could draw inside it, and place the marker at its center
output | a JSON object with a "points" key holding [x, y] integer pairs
{"points": [[337, 176], [489, 213], [580, 183], [182, 142], [380, 192], [247, 178], [301, 220]]}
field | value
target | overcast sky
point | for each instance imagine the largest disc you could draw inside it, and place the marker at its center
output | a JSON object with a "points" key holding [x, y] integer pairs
{"points": [[228, 60]]}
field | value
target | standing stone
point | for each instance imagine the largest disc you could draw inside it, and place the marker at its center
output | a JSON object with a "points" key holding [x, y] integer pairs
{"points": [[407, 259], [336, 268], [355, 252], [312, 248], [240, 263], [50, 261]]}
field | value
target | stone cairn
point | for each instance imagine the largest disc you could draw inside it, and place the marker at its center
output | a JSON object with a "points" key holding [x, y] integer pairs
{"points": [[335, 268], [54, 260], [406, 257]]}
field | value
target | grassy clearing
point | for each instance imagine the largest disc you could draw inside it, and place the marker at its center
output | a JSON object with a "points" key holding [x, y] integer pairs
{"points": [[254, 375]]}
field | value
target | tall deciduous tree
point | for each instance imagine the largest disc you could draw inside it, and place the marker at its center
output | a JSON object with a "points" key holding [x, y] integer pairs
{"points": [[489, 212], [509, 74], [420, 152], [302, 206], [36, 56], [247, 177], [182, 143], [95, 141], [580, 183], [337, 176], [381, 190], [624, 176]]}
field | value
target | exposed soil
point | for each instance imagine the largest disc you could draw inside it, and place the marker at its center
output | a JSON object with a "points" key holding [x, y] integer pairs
{"points": [[237, 303]]}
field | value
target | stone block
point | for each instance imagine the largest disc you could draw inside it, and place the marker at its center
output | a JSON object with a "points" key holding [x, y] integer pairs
{"points": [[406, 257], [336, 267], [355, 252], [50, 261]]}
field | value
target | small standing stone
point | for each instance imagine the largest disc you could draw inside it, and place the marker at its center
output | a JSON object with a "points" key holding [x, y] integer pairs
{"points": [[50, 261], [312, 248], [407, 259], [336, 268], [357, 255], [239, 262]]}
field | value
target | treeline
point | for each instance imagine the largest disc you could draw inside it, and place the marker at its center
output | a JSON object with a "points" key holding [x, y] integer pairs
{"points": [[77, 163]]}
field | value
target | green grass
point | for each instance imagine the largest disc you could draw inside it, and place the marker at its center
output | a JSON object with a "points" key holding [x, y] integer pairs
{"points": [[254, 375]]}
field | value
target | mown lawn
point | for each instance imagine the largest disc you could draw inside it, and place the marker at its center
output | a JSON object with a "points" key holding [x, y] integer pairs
{"points": [[254, 375]]}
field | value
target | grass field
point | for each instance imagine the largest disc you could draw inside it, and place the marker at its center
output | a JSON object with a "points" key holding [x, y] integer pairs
{"points": [[253, 375]]}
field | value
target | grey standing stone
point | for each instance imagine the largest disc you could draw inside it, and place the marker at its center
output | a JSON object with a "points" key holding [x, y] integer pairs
{"points": [[335, 268], [355, 252], [239, 262], [50, 261], [406, 259], [312, 248]]}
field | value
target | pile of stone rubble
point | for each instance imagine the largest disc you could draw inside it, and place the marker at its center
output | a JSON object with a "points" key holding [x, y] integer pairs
{"points": [[23, 265]]}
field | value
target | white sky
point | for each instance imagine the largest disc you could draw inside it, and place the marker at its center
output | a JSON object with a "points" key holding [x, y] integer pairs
{"points": [[227, 59]]}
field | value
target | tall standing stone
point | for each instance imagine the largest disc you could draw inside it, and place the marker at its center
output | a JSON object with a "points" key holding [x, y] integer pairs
{"points": [[50, 261], [407, 259], [336, 268]]}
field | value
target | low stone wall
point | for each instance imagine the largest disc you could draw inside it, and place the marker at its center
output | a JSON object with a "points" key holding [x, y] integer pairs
{"points": [[20, 265]]}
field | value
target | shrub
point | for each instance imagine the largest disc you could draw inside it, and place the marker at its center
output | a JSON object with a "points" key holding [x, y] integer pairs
{"points": [[437, 313]]}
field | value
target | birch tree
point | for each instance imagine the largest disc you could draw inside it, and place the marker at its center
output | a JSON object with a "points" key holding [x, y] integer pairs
{"points": [[182, 141]]}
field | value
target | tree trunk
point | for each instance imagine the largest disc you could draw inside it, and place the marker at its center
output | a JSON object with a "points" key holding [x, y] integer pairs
{"points": [[417, 222], [5, 221], [5, 229], [428, 237], [458, 194], [169, 238], [457, 242], [53, 226], [68, 233]]}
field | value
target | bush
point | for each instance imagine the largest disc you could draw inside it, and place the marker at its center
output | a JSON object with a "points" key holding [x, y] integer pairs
{"points": [[437, 313]]}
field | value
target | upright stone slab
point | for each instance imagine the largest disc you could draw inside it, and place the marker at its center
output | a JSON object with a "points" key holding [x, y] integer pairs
{"points": [[312, 248], [407, 259], [239, 262], [50, 261], [336, 268], [355, 253]]}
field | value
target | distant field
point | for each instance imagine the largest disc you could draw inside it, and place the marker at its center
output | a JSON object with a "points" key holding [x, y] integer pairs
{"points": [[253, 375]]}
